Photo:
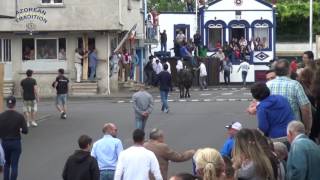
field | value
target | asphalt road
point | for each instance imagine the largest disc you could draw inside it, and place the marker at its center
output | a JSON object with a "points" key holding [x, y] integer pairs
{"points": [[188, 125]]}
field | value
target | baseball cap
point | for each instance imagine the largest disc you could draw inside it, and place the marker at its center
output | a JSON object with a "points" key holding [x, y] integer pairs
{"points": [[11, 101], [235, 125]]}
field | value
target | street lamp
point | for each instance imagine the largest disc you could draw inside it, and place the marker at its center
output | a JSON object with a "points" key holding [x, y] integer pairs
{"points": [[238, 15]]}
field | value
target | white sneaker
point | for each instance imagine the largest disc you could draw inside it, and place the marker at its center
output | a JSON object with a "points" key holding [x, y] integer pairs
{"points": [[28, 124], [34, 124]]}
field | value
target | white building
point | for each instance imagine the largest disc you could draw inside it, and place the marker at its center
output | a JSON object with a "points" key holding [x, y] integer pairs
{"points": [[220, 21]]}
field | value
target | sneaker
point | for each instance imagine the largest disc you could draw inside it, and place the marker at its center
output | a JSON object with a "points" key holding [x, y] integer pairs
{"points": [[64, 115], [61, 115], [166, 111], [28, 124], [34, 124]]}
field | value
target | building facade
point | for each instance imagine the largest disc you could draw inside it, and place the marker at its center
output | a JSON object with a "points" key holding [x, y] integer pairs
{"points": [[42, 35]]}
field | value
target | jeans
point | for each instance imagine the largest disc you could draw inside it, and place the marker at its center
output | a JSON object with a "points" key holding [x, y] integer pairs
{"points": [[163, 47], [149, 77], [140, 122], [12, 151], [107, 175], [164, 100], [203, 82], [61, 99], [92, 72], [244, 77], [226, 76]]}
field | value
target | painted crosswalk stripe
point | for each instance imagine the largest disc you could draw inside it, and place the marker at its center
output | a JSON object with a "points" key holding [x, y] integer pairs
{"points": [[205, 94], [182, 100], [195, 100], [120, 101], [226, 94], [207, 100]]}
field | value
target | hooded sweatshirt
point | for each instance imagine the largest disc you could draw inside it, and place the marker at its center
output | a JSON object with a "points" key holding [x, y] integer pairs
{"points": [[81, 166], [274, 114]]}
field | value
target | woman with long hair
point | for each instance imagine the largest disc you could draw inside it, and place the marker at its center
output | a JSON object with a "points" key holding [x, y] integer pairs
{"points": [[315, 91], [309, 84], [249, 159], [209, 164]]}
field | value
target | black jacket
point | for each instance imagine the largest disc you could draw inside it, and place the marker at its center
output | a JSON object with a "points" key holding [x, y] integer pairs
{"points": [[81, 166], [164, 79]]}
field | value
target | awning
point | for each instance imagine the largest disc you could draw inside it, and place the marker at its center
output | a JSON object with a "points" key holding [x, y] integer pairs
{"points": [[125, 38]]}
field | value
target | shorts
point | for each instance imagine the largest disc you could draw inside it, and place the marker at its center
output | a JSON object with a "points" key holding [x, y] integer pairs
{"points": [[61, 99], [30, 106]]}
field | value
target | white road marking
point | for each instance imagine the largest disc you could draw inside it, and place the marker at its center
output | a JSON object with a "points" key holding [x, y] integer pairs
{"points": [[120, 101], [226, 94], [207, 100], [182, 100], [220, 100], [205, 94], [170, 100], [195, 100]]}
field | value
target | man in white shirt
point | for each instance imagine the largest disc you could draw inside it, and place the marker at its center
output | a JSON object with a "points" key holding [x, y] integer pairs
{"points": [[244, 66], [203, 76], [179, 65], [169, 66], [157, 67], [137, 162]]}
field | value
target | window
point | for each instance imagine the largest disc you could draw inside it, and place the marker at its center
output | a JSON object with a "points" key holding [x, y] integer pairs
{"points": [[51, 1], [261, 36], [5, 50], [43, 49], [215, 37]]}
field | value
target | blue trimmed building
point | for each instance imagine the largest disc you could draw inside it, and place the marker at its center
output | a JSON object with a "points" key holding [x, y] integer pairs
{"points": [[222, 20]]}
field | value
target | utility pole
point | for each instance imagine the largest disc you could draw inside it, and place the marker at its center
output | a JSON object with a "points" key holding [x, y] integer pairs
{"points": [[311, 26]]}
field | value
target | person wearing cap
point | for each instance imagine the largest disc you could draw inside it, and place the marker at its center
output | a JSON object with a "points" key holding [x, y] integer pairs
{"points": [[107, 151], [227, 147], [12, 124]]}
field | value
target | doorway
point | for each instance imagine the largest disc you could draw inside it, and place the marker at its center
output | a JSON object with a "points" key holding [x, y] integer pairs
{"points": [[238, 33]]}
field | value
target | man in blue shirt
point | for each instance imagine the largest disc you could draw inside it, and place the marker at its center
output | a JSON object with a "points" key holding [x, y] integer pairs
{"points": [[274, 112], [93, 61], [233, 129], [106, 151], [186, 55]]}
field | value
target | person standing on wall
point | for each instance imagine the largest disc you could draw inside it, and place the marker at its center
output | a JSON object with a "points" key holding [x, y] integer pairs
{"points": [[93, 61], [227, 70], [12, 124], [244, 66], [163, 41], [164, 79], [30, 98], [61, 85]]}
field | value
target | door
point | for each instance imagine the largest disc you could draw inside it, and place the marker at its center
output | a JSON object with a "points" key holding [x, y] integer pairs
{"points": [[5, 57]]}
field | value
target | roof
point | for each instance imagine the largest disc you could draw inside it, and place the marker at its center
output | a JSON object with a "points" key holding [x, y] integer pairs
{"points": [[242, 5]]}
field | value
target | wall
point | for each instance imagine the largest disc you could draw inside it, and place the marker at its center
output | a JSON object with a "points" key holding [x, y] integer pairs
{"points": [[167, 22]]}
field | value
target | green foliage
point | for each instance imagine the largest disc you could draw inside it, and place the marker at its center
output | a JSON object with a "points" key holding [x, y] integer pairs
{"points": [[167, 5]]}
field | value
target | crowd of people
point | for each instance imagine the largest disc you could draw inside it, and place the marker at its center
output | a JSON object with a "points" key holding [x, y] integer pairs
{"points": [[285, 144]]}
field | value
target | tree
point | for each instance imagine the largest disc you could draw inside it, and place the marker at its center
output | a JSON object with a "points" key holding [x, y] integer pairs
{"points": [[167, 5]]}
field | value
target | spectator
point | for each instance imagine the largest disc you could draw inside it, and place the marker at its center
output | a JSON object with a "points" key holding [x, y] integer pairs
{"points": [[180, 38], [148, 69], [157, 67], [209, 164], [93, 61], [186, 55], [244, 66], [80, 165], [229, 171], [12, 124], [220, 55], [249, 159], [281, 150], [78, 64], [293, 91], [304, 156], [203, 76], [164, 79], [2, 160], [142, 105], [169, 66], [315, 90], [293, 69], [184, 176], [190, 5], [243, 42], [163, 153], [270, 75], [163, 41], [197, 42], [233, 129], [227, 70], [308, 60], [273, 112], [61, 85], [107, 151], [137, 162], [30, 98], [126, 61]]}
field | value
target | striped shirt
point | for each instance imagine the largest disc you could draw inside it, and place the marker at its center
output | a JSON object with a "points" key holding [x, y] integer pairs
{"points": [[292, 90]]}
